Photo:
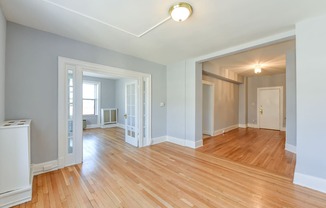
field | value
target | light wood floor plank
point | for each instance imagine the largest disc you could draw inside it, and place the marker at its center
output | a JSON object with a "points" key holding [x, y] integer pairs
{"points": [[115, 174], [256, 147]]}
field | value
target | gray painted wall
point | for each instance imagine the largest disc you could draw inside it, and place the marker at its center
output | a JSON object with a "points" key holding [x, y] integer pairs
{"points": [[218, 70], [107, 96], [208, 109], [176, 100], [226, 103], [291, 106], [263, 81], [32, 82], [2, 64], [243, 96], [184, 109], [311, 98]]}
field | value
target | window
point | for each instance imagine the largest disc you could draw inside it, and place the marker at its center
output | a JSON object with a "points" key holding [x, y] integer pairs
{"points": [[90, 98]]}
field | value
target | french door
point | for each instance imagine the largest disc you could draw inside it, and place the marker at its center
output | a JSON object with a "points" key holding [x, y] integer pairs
{"points": [[131, 124], [70, 131]]}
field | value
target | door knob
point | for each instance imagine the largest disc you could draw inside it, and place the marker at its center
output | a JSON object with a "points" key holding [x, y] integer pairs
{"points": [[261, 111], [125, 115]]}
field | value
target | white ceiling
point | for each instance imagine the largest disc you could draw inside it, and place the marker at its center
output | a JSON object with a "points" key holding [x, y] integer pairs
{"points": [[117, 24], [272, 60]]}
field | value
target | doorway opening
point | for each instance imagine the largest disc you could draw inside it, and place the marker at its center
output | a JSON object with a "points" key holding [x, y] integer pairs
{"points": [[73, 106], [252, 105], [208, 109]]}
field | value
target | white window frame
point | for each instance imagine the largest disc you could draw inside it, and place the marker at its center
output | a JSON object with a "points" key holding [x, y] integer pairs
{"points": [[97, 99]]}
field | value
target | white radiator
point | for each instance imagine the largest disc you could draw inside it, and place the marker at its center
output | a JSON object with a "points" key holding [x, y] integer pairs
{"points": [[109, 116]]}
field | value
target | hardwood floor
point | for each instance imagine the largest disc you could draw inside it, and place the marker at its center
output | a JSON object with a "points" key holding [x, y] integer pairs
{"points": [[260, 148], [115, 174]]}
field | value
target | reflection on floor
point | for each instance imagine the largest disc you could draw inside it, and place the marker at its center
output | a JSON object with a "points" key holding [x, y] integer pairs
{"points": [[116, 174], [260, 148]]}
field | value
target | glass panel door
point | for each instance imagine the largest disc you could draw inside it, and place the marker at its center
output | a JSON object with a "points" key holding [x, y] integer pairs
{"points": [[70, 145], [131, 136], [146, 111]]}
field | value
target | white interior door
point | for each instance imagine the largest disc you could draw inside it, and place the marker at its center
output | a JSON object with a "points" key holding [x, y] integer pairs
{"points": [[131, 133], [269, 108]]}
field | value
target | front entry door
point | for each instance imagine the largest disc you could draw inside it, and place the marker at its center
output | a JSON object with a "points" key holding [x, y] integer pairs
{"points": [[269, 108], [131, 133]]}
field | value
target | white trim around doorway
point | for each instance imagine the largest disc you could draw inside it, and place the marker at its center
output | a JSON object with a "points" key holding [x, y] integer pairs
{"points": [[211, 132], [143, 80]]}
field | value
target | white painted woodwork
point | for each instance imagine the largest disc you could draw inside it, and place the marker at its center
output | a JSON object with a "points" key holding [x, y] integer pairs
{"points": [[208, 108], [143, 106], [109, 116], [269, 107], [15, 162], [131, 125]]}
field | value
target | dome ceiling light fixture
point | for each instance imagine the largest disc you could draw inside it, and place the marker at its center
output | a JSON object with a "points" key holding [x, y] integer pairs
{"points": [[180, 12], [257, 69]]}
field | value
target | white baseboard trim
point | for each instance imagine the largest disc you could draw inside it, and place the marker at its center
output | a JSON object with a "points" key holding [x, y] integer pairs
{"points": [[61, 162], [108, 126], [199, 143], [256, 126], [121, 125], [206, 132], [184, 142], [158, 140], [251, 125], [291, 148], [92, 126], [178, 141], [44, 167], [243, 126], [175, 140], [308, 181], [16, 197], [224, 130]]}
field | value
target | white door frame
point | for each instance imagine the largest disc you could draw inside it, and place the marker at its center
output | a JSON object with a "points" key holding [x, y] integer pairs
{"points": [[280, 88], [211, 105], [79, 67]]}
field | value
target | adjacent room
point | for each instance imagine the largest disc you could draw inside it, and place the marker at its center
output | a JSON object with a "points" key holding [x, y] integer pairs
{"points": [[245, 103]]}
